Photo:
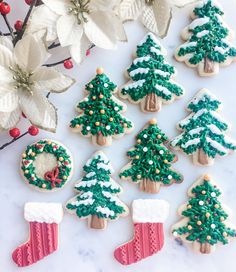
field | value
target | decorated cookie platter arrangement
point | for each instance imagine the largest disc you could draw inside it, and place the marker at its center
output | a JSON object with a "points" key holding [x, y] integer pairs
{"points": [[117, 135]]}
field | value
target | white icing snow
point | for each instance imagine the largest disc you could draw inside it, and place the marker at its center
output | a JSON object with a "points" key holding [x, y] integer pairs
{"points": [[175, 141], [188, 44], [221, 50], [139, 71], [195, 141], [162, 89], [196, 130], [86, 183], [152, 36], [214, 129], [110, 185], [161, 73], [213, 2], [91, 174], [111, 198], [155, 50], [219, 118], [104, 166], [199, 22], [202, 33], [135, 85], [228, 140], [216, 145], [106, 211], [199, 113], [141, 59], [201, 96]]}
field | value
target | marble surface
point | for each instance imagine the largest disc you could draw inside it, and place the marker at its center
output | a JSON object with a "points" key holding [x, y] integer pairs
{"points": [[87, 250]]}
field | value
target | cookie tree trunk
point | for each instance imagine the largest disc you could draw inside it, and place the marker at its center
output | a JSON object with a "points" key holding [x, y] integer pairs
{"points": [[205, 248], [149, 186], [97, 222], [209, 66], [102, 140], [152, 103], [203, 158]]}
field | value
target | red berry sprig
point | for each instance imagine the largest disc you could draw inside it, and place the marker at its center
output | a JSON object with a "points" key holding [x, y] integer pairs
{"points": [[28, 2], [4, 8], [18, 25], [14, 132], [68, 64], [33, 130]]}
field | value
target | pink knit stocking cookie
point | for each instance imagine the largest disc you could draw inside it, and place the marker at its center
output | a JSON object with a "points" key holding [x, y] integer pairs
{"points": [[148, 217], [43, 221]]}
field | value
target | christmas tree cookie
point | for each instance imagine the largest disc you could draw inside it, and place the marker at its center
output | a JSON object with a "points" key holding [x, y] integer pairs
{"points": [[207, 39], [46, 165], [100, 112], [205, 219], [151, 161], [203, 131], [97, 199], [151, 83]]}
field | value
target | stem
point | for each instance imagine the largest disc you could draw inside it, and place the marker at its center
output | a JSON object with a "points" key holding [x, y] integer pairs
{"points": [[56, 63], [21, 33], [53, 45], [13, 140], [8, 26]]}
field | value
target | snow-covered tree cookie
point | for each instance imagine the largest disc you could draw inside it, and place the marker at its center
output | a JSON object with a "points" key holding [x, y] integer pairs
{"points": [[99, 112], [97, 199], [205, 219], [203, 131], [150, 75], [151, 161], [207, 45], [46, 165]]}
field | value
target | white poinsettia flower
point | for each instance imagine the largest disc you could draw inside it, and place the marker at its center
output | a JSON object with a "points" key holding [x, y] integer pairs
{"points": [[154, 14], [23, 82], [78, 24]]}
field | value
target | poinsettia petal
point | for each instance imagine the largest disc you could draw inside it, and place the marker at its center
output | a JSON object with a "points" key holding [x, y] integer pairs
{"points": [[49, 79], [118, 28], [9, 120], [148, 19], [6, 57], [8, 99], [6, 77], [103, 4], [30, 53], [43, 18], [163, 13], [130, 9], [58, 6], [5, 41], [39, 110], [78, 50], [99, 30], [68, 30]]}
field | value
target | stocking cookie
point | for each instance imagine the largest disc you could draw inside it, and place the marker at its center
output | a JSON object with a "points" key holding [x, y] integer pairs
{"points": [[44, 219], [97, 198], [151, 82], [150, 164], [203, 131], [148, 218], [99, 113], [207, 45], [205, 222], [46, 165]]}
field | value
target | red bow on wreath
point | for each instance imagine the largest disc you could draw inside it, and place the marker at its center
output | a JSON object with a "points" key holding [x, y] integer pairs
{"points": [[52, 176]]}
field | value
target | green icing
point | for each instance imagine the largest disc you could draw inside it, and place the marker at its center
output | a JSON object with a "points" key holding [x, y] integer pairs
{"points": [[211, 215], [151, 156], [111, 122], [46, 146], [207, 46], [150, 73], [97, 192], [204, 129]]}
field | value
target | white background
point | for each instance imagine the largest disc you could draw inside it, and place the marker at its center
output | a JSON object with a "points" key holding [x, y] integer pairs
{"points": [[85, 250]]}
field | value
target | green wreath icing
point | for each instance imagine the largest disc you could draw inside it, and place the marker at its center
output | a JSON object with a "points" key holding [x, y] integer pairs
{"points": [[150, 73], [151, 159], [208, 37], [97, 191], [52, 179], [101, 112], [204, 128], [206, 217]]}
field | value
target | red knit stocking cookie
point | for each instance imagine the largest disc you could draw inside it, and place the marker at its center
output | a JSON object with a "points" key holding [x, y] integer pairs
{"points": [[43, 221], [148, 217]]}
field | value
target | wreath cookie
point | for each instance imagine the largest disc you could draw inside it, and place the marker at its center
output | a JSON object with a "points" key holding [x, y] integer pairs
{"points": [[46, 165]]}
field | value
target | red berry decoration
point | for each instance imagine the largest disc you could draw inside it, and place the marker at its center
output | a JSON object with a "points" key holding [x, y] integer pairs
{"points": [[5, 8], [88, 52], [18, 25], [33, 130], [28, 2], [14, 132], [68, 64]]}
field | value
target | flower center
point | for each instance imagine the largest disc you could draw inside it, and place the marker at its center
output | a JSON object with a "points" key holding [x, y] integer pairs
{"points": [[79, 8], [22, 79], [149, 2]]}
